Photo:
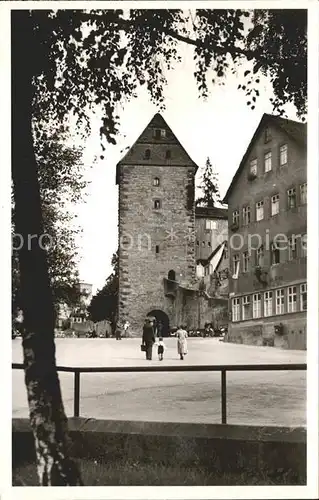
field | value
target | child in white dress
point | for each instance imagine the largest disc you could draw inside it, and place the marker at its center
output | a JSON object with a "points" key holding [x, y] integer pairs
{"points": [[160, 348]]}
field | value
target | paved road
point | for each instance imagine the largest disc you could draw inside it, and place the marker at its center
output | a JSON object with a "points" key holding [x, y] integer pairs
{"points": [[270, 398]]}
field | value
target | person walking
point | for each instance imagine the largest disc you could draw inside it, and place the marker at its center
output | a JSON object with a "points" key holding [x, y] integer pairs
{"points": [[118, 332], [126, 329], [160, 348], [181, 336], [148, 338]]}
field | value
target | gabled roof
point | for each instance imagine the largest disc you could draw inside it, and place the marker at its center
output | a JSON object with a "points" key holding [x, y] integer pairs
{"points": [[295, 130], [211, 212], [146, 139], [204, 262]]}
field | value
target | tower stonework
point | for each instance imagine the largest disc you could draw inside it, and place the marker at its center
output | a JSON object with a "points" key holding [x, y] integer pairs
{"points": [[156, 181]]}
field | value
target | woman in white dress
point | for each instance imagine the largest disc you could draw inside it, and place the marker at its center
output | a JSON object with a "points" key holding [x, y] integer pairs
{"points": [[181, 336]]}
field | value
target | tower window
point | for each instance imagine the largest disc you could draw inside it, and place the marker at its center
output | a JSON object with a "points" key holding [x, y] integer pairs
{"points": [[156, 181], [172, 275], [168, 155], [157, 204], [147, 154], [157, 249], [159, 133]]}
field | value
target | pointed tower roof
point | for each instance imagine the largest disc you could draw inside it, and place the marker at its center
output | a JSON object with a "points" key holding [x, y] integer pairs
{"points": [[158, 146]]}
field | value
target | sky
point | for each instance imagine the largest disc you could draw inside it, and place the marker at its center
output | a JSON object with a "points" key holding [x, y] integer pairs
{"points": [[220, 128]]}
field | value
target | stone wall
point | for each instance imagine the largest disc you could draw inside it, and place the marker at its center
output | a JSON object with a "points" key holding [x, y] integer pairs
{"points": [[153, 241], [225, 448], [194, 310], [262, 332]]}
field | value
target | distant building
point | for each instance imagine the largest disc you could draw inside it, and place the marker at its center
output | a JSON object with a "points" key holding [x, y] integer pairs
{"points": [[267, 207], [214, 271], [86, 290], [79, 314], [211, 224]]}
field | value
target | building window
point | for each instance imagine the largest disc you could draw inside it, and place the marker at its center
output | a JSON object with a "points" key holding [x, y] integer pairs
{"points": [[267, 161], [303, 246], [209, 243], [210, 224], [280, 301], [236, 217], [259, 210], [268, 304], [275, 204], [260, 256], [246, 307], [197, 243], [283, 155], [245, 262], [156, 181], [147, 154], [303, 194], [292, 299], [157, 249], [236, 309], [275, 253], [256, 305], [267, 134], [203, 243], [253, 167], [225, 251], [292, 248], [291, 194], [303, 297], [236, 264], [157, 204], [246, 215], [168, 155]]}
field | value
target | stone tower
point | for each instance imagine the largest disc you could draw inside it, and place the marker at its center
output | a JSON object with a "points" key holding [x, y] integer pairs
{"points": [[156, 225]]}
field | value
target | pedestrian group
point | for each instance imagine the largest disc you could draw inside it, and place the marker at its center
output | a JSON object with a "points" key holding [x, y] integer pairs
{"points": [[149, 340]]}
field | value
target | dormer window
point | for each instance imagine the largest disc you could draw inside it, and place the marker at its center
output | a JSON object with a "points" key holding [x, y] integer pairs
{"points": [[168, 155], [147, 154], [156, 181], [159, 133]]}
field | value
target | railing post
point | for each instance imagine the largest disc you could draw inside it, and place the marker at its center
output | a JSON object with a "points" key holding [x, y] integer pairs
{"points": [[77, 393], [223, 393]]}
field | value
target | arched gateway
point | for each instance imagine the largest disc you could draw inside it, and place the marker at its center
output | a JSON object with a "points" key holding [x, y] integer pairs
{"points": [[162, 322]]}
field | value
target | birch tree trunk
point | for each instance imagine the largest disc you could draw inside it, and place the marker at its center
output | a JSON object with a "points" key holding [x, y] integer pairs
{"points": [[47, 416]]}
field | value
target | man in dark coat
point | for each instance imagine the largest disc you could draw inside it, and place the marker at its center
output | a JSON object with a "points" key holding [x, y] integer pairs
{"points": [[148, 338]]}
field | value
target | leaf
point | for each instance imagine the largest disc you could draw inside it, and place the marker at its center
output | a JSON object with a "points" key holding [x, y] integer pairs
{"points": [[257, 67]]}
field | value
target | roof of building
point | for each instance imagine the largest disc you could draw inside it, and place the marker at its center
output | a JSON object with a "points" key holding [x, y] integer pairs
{"points": [[296, 130], [211, 212], [132, 156]]}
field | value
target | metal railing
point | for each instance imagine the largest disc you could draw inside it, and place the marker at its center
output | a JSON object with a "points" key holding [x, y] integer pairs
{"points": [[196, 368]]}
